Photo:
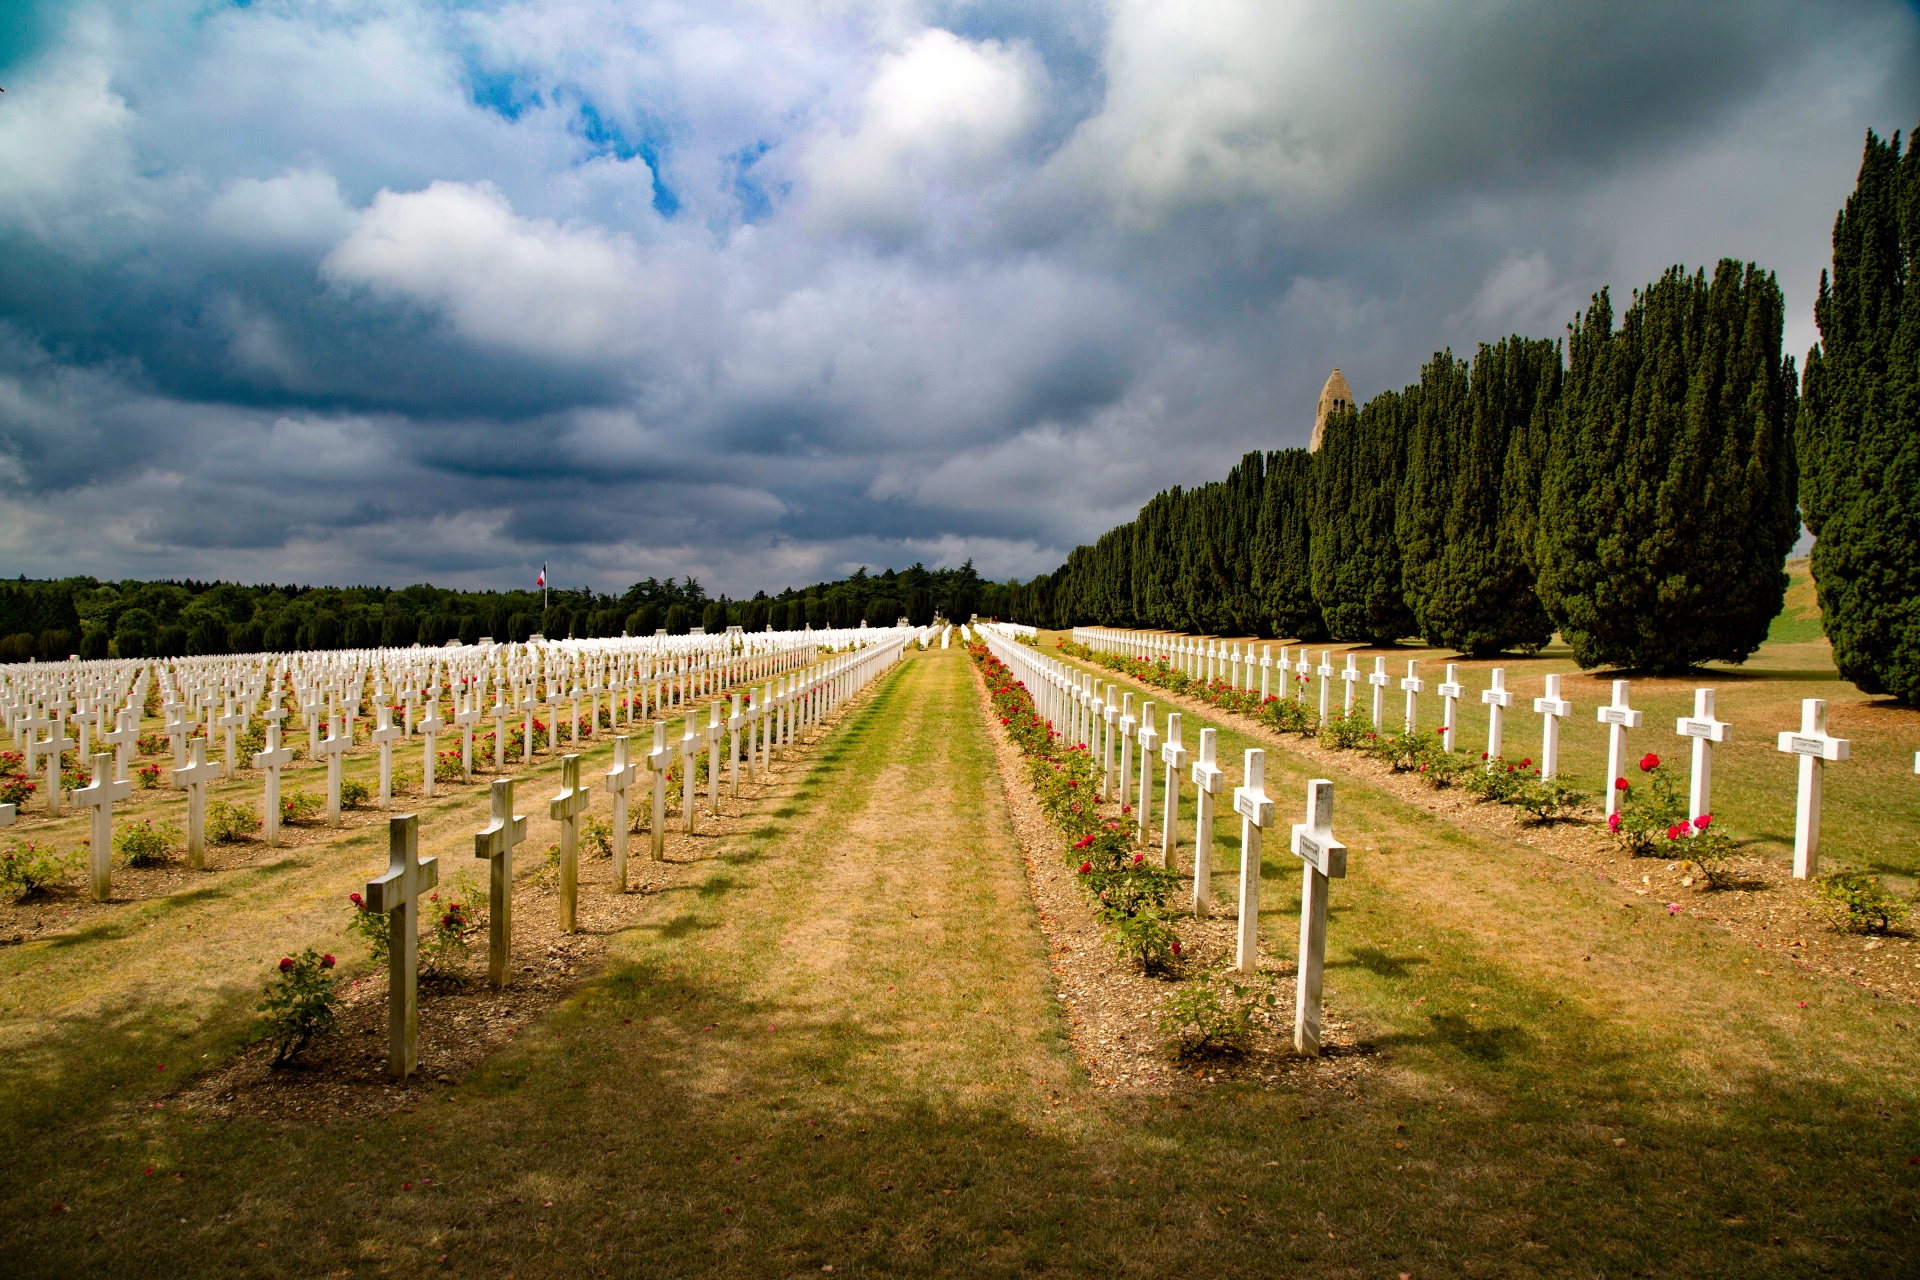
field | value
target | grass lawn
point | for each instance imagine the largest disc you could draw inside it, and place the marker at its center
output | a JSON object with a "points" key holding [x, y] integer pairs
{"points": [[839, 1046]]}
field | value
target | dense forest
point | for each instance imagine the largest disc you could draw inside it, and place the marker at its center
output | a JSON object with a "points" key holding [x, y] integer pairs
{"points": [[50, 620], [1634, 490]]}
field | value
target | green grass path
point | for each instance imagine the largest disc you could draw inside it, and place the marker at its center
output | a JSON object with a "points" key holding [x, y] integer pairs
{"points": [[838, 1046]]}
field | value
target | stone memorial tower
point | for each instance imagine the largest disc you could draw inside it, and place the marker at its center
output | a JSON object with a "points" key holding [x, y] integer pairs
{"points": [[1335, 398]]}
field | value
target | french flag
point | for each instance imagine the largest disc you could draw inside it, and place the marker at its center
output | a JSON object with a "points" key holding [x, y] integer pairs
{"points": [[541, 581]]}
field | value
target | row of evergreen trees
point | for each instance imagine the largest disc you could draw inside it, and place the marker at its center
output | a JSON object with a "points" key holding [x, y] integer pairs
{"points": [[1639, 498]]}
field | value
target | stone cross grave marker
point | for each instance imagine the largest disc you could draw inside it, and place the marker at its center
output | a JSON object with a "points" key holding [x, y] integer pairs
{"points": [[1175, 757], [501, 714], [1256, 813], [1206, 783], [55, 747], [465, 718], [1553, 709], [734, 720], [1378, 679], [1705, 730], [1618, 717], [1326, 673], [1450, 693], [1349, 676], [659, 760], [232, 722], [495, 843], [1414, 687], [1110, 727], [334, 748], [385, 736], [565, 809], [716, 730], [1127, 726], [99, 797], [1303, 670], [689, 773], [272, 760], [430, 727], [1815, 746], [1149, 747], [125, 734], [1326, 859], [396, 895], [619, 780], [194, 777], [1266, 669], [1497, 699]]}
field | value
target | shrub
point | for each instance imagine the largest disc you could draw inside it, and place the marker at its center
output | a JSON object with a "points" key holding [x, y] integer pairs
{"points": [[447, 767], [1648, 809], [27, 871], [1856, 902], [1146, 939], [150, 744], [451, 925], [1215, 1015], [149, 775], [299, 807], [15, 788], [230, 823], [1347, 732], [596, 837], [145, 845], [1545, 799], [1708, 850], [371, 926], [353, 793], [300, 1004], [1495, 780]]}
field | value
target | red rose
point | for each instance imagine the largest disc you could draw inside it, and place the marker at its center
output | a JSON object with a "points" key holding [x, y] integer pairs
{"points": [[1702, 822], [356, 900], [1649, 762], [1613, 822], [326, 962], [286, 963], [1138, 858], [1086, 868], [1619, 784], [1176, 946]]}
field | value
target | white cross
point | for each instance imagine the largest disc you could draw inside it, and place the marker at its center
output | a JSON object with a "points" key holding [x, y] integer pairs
{"points": [[1552, 709], [1206, 782], [1378, 679], [659, 760], [396, 895], [1302, 669], [430, 726], [385, 735], [235, 719], [495, 843], [565, 809], [195, 777], [501, 714], [619, 780], [1149, 744], [272, 760], [125, 734], [1618, 717], [1266, 668], [1326, 859], [99, 797], [1705, 730], [1414, 687], [1175, 757], [689, 773], [1349, 676], [54, 746], [1815, 746], [1256, 812], [1450, 695], [716, 729], [1127, 726], [1498, 699], [334, 747], [734, 721], [466, 717], [1325, 672]]}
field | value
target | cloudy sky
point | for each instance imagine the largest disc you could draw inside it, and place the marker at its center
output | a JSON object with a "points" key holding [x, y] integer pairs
{"points": [[391, 290]]}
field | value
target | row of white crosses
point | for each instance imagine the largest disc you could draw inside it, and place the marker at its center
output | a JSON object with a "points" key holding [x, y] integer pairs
{"points": [[1811, 744], [804, 700], [1323, 856]]}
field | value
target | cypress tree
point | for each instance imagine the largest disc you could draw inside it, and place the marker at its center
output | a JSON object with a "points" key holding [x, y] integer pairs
{"points": [[1668, 503], [1283, 549], [1356, 550], [1859, 430], [1468, 581]]}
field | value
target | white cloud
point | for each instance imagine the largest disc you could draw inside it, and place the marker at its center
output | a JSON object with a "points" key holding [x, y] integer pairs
{"points": [[300, 209], [940, 113], [65, 157], [530, 284]]}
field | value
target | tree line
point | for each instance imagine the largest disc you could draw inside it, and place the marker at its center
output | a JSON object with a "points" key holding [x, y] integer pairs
{"points": [[50, 620]]}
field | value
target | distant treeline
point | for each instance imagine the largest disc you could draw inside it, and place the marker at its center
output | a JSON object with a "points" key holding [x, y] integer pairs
{"points": [[1639, 497], [131, 619]]}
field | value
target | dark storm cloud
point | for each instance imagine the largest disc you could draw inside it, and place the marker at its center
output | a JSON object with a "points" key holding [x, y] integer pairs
{"points": [[763, 294]]}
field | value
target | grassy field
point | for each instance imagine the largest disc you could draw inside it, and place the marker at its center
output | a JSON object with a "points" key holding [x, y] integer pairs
{"points": [[1871, 811], [839, 1047]]}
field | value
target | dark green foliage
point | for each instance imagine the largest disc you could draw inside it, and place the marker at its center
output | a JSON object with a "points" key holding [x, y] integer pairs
{"points": [[1463, 508], [679, 620], [1356, 563], [1859, 430], [1668, 502], [714, 618], [1283, 549]]}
